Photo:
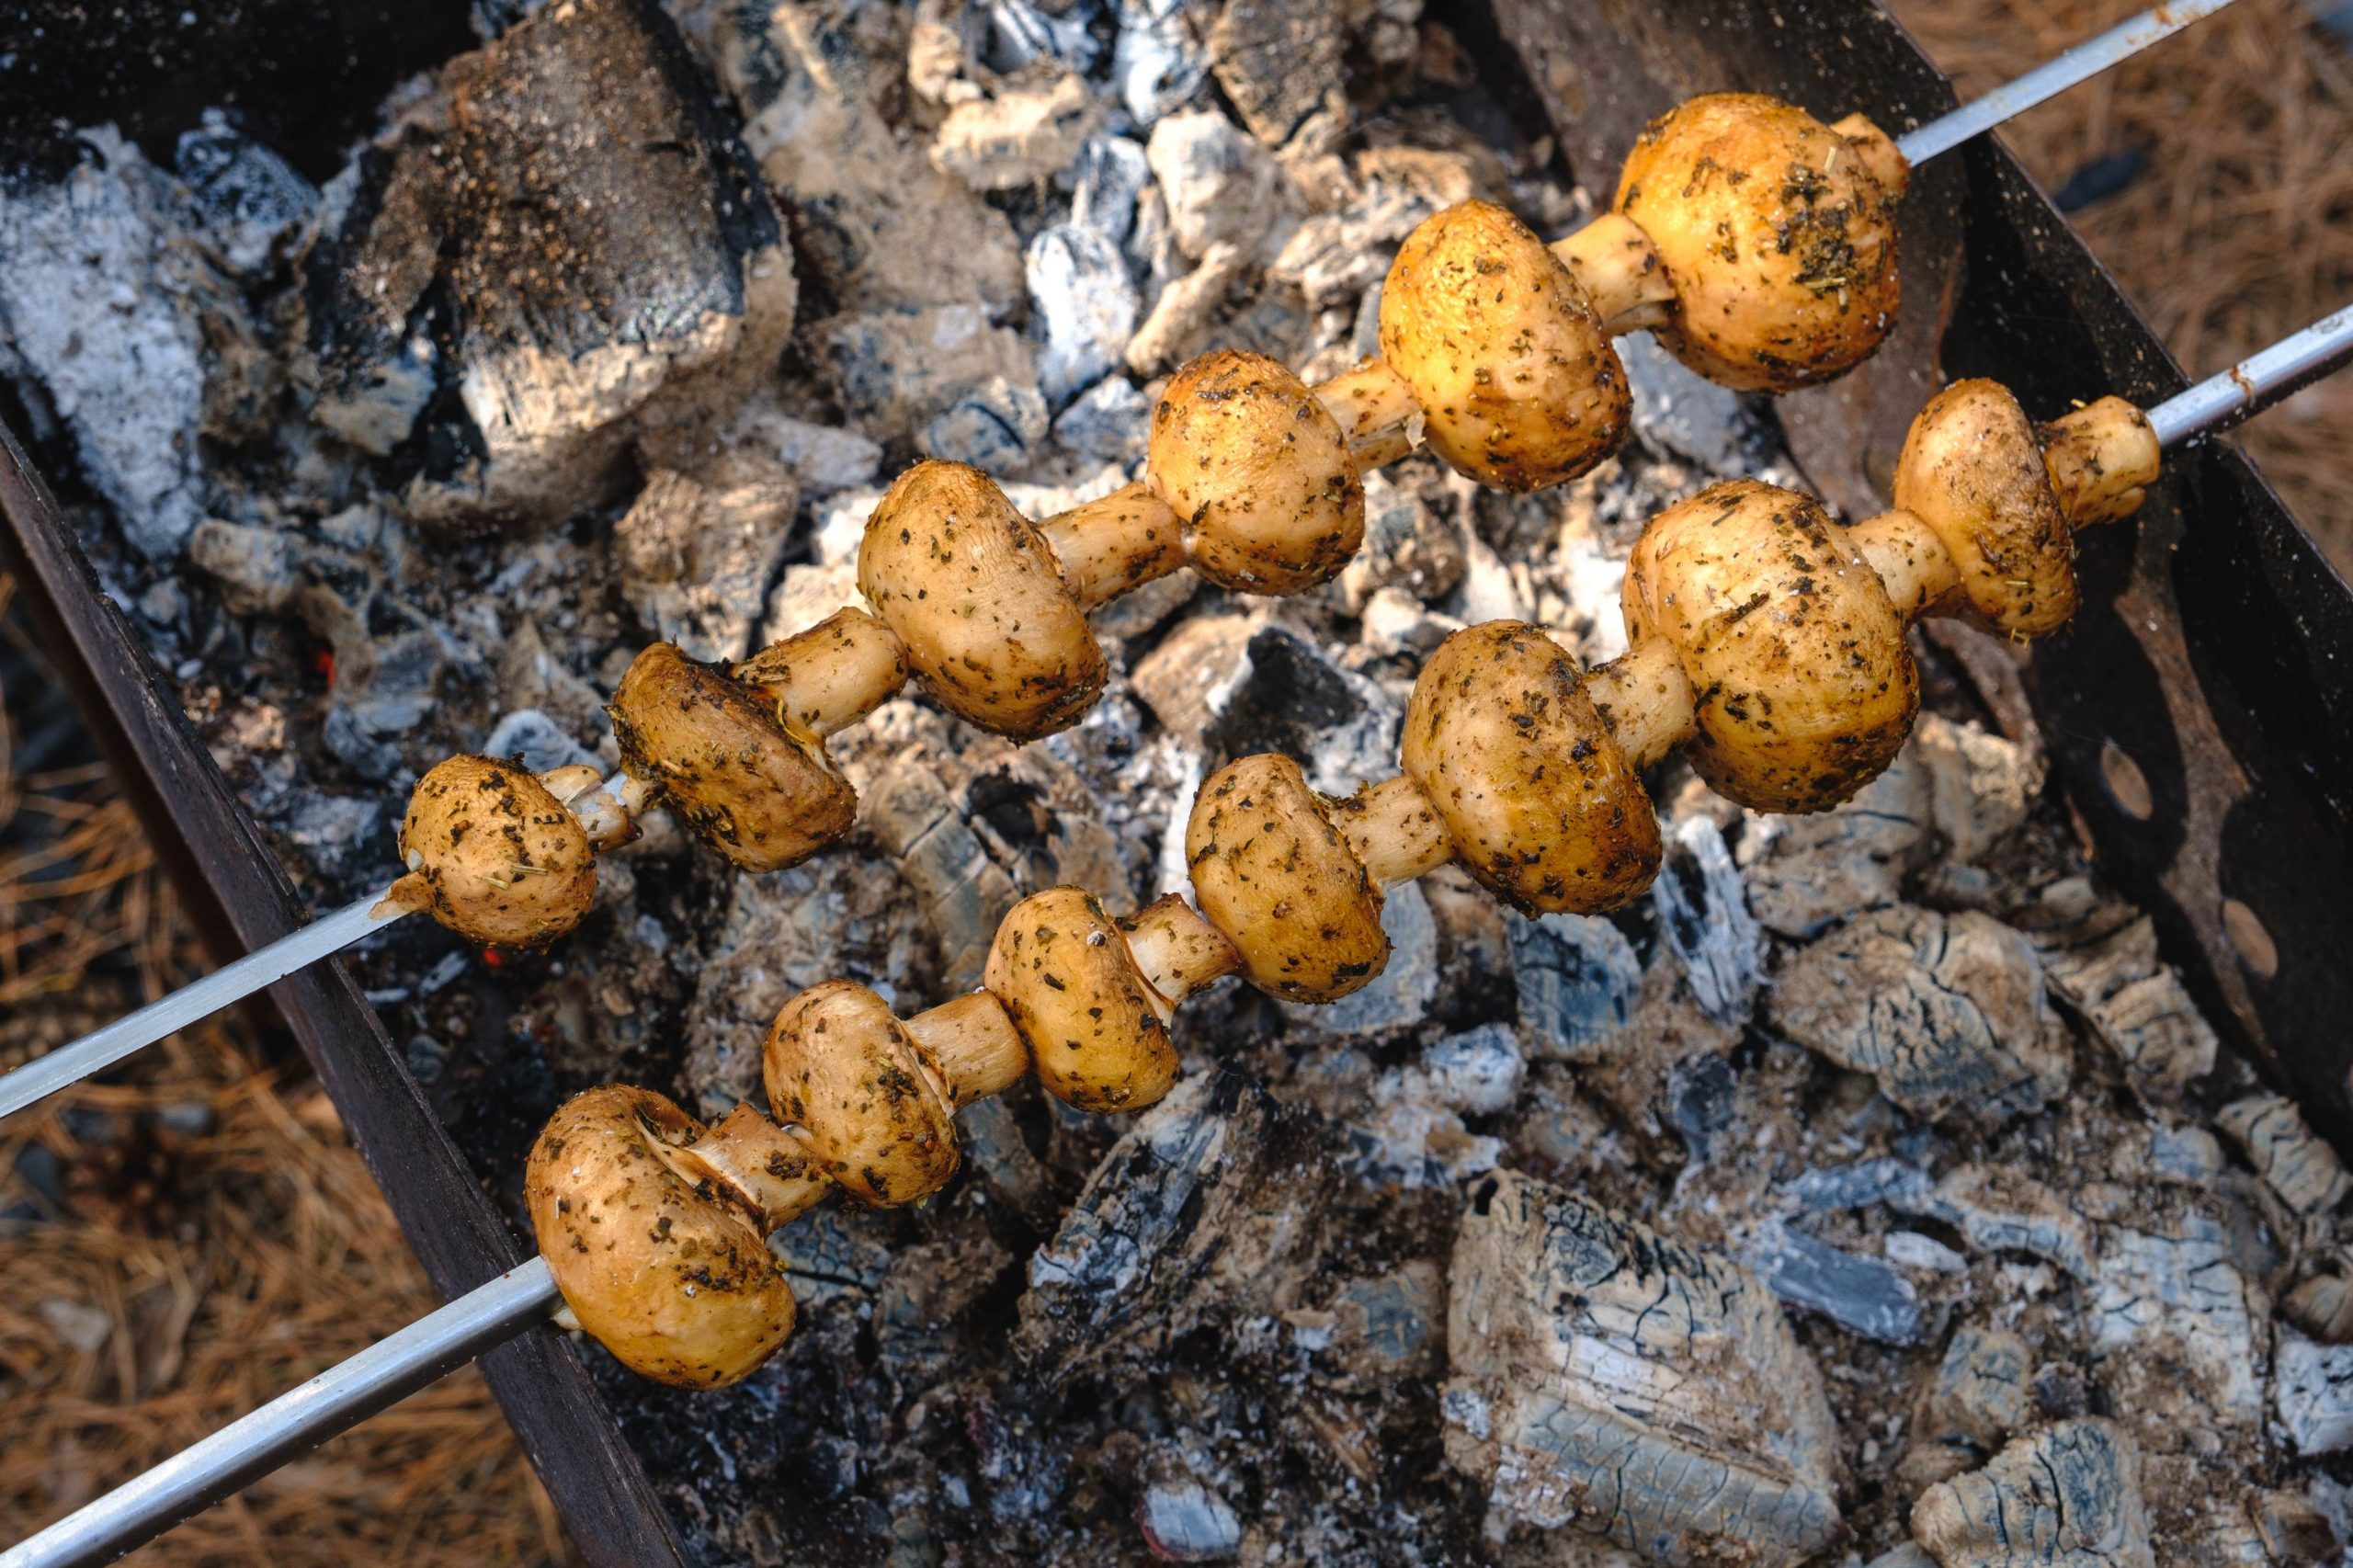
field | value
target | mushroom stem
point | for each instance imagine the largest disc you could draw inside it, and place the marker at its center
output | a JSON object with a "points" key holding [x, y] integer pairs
{"points": [[978, 1049], [1646, 698], [1176, 950], [1121, 541], [1377, 411], [830, 676], [1394, 830], [1913, 564], [1619, 270], [755, 1163], [2099, 458]]}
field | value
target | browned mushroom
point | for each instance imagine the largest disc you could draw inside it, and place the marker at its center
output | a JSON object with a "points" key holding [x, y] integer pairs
{"points": [[494, 856]]}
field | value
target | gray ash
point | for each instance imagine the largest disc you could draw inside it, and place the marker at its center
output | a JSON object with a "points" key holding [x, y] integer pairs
{"points": [[1876, 1160]]}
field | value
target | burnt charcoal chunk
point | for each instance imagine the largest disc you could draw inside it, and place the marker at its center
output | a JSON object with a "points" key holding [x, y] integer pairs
{"points": [[1862, 1295], [2069, 1494], [565, 248], [1212, 1204]]}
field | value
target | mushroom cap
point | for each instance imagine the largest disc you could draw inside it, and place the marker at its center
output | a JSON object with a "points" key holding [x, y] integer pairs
{"points": [[501, 860], [864, 1093], [1973, 470], [763, 798], [676, 1282], [1258, 474], [1805, 685], [1277, 878], [1094, 1028], [1519, 386], [975, 591], [1778, 238], [1540, 802]]}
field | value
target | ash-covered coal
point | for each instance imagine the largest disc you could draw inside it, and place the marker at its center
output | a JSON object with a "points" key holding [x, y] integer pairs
{"points": [[1870, 1190]]}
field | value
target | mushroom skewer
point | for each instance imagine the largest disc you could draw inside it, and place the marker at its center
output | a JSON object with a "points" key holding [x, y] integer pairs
{"points": [[653, 1228], [1758, 243]]}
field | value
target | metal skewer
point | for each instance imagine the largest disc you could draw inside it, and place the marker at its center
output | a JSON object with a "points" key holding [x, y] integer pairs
{"points": [[341, 1397], [103, 1048], [2052, 77], [491, 1313]]}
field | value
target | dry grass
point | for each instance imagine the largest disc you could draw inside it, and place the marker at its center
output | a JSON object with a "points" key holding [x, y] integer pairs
{"points": [[192, 1241], [2240, 226]]}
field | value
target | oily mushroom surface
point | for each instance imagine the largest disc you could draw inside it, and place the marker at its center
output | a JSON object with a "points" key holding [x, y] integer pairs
{"points": [[677, 1283], [1094, 1027], [973, 589], [1518, 383], [1258, 474], [759, 796], [1542, 804], [1778, 234], [1275, 878], [1805, 689], [874, 1108], [1973, 470], [494, 856]]}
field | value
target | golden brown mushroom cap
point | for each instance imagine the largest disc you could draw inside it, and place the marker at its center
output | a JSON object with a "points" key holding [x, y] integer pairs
{"points": [[1539, 799], [1273, 875], [1972, 470], [975, 591], [1096, 1030], [761, 797], [1519, 385], [1258, 474], [499, 860], [1805, 687], [864, 1093], [676, 1282], [1779, 239]]}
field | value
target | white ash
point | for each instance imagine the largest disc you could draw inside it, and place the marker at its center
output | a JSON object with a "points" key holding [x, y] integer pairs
{"points": [[101, 308]]}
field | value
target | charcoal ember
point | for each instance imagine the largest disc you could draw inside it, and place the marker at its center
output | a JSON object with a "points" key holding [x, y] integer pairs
{"points": [[1108, 180], [1999, 1209], [107, 314], [1156, 62], [1178, 323], [1983, 784], [1392, 1326], [1334, 258], [990, 1139], [1408, 544], [895, 370], [1910, 1554], [537, 741], [991, 427], [836, 914], [1607, 1378], [1220, 186], [1578, 979], [1702, 1102], [2295, 1162], [1209, 1208], [1109, 421], [569, 247], [875, 223], [1026, 128], [1862, 1295], [1183, 1519], [1396, 624], [927, 1287], [1947, 1012], [1413, 1133], [1830, 1188], [1806, 873], [1084, 304], [2322, 1303], [1278, 64], [1680, 413], [1289, 696], [2293, 1528], [2311, 1391], [1703, 919], [529, 675], [962, 893], [764, 444], [2181, 1326], [2067, 1495], [253, 205], [2101, 958], [696, 561], [1979, 1393]]}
